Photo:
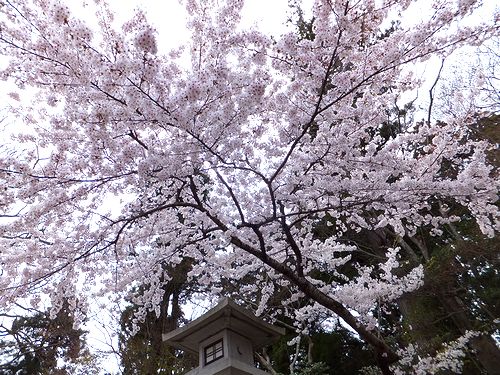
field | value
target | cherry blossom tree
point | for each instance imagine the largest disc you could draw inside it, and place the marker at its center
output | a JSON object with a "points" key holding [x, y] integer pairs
{"points": [[129, 158]]}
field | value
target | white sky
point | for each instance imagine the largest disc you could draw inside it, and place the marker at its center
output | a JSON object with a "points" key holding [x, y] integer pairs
{"points": [[168, 16]]}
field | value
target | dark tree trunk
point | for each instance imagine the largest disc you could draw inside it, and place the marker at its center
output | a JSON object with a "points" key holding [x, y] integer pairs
{"points": [[485, 349]]}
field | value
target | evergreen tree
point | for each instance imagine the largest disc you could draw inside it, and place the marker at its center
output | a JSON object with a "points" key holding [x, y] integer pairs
{"points": [[35, 344], [142, 350]]}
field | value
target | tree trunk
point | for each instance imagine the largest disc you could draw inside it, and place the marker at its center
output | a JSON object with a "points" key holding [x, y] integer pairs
{"points": [[485, 349], [487, 353]]}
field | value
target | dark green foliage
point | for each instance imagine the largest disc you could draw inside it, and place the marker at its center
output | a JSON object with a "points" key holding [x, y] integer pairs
{"points": [[145, 353], [317, 368], [486, 127], [304, 27], [341, 352], [330, 353], [33, 344]]}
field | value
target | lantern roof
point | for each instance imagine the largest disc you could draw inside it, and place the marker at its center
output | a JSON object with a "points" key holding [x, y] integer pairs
{"points": [[225, 315]]}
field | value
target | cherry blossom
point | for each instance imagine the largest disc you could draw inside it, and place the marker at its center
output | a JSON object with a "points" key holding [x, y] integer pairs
{"points": [[128, 158]]}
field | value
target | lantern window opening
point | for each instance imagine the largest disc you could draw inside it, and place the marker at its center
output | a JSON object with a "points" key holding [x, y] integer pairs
{"points": [[214, 351]]}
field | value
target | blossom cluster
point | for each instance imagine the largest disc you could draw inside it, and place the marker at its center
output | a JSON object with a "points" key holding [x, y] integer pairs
{"points": [[146, 41], [450, 358], [61, 14]]}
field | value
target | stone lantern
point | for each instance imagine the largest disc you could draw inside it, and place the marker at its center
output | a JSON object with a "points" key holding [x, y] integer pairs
{"points": [[225, 339]]}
